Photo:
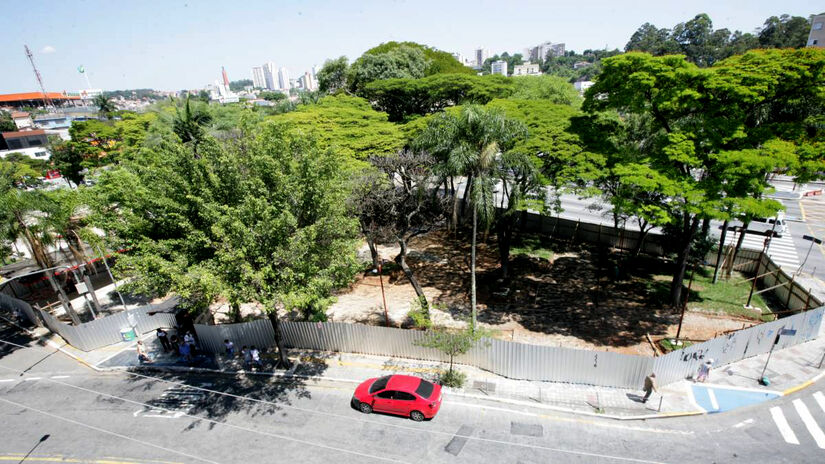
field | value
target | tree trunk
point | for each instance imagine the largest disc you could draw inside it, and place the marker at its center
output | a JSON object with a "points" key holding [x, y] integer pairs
{"points": [[279, 342], [473, 270], [691, 226], [373, 250], [505, 239], [721, 251], [401, 259], [638, 248], [466, 199], [235, 312], [740, 241]]}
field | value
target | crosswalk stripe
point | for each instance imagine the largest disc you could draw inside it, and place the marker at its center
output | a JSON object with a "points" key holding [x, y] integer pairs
{"points": [[810, 423], [820, 400], [713, 402], [782, 425]]}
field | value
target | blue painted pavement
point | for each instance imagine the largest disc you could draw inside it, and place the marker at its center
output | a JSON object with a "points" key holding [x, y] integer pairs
{"points": [[713, 398]]}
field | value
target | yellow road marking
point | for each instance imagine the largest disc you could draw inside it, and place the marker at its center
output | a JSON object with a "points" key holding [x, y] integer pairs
{"points": [[797, 388], [388, 368], [17, 457]]}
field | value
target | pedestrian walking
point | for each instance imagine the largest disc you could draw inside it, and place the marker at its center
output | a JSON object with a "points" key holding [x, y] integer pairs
{"points": [[230, 348], [141, 352], [164, 339], [704, 371], [650, 386], [247, 357], [256, 356], [185, 352]]}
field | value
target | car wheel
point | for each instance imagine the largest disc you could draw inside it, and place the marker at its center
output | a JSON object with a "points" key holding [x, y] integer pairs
{"points": [[417, 416], [365, 408]]}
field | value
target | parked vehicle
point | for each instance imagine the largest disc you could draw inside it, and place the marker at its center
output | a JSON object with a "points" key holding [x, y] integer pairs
{"points": [[764, 226], [402, 395]]}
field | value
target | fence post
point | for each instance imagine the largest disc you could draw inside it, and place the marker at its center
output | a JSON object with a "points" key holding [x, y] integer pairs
{"points": [[790, 292]]}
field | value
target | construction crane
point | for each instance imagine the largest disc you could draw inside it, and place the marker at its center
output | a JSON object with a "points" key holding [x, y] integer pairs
{"points": [[46, 99]]}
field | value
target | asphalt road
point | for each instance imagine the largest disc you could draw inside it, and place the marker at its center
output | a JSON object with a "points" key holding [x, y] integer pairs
{"points": [[58, 410]]}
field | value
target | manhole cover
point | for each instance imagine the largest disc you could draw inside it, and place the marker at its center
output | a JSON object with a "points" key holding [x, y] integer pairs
{"points": [[459, 440]]}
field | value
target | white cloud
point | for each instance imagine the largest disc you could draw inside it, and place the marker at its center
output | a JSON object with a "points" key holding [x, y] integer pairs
{"points": [[48, 49]]}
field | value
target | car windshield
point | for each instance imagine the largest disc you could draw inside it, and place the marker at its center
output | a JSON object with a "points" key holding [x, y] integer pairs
{"points": [[425, 389], [379, 384]]}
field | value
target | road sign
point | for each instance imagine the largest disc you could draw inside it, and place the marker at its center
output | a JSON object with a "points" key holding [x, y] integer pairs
{"points": [[813, 239]]}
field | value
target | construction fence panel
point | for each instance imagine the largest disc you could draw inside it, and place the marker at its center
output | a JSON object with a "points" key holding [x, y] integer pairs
{"points": [[258, 333], [13, 305]]}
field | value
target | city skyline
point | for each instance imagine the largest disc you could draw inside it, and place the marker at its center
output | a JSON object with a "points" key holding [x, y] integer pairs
{"points": [[127, 46]]}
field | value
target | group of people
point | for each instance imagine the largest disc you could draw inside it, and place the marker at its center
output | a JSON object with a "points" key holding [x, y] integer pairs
{"points": [[185, 347], [701, 376], [251, 356]]}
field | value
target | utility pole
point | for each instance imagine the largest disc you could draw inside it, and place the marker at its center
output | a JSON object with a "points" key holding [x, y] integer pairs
{"points": [[383, 297], [46, 99], [758, 268]]}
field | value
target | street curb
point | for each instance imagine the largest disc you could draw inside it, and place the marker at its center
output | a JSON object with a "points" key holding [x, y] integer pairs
{"points": [[804, 385]]}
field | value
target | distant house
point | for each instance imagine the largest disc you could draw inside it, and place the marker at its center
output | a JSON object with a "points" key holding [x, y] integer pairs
{"points": [[25, 139], [581, 64], [582, 86], [499, 67], [21, 119], [53, 121], [526, 69]]}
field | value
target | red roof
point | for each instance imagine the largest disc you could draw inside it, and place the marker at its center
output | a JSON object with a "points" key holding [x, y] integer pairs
{"points": [[19, 114], [12, 97], [19, 134]]}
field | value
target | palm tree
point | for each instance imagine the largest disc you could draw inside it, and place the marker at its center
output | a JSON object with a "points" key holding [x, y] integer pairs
{"points": [[471, 143], [188, 125], [105, 106]]}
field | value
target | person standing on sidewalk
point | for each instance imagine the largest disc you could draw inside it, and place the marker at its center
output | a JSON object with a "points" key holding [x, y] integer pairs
{"points": [[650, 386], [704, 371], [256, 357], [164, 339], [247, 357], [230, 348]]}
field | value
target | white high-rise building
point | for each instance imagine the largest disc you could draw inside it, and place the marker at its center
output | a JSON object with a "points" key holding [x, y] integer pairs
{"points": [[315, 70], [306, 82], [258, 79], [271, 76], [498, 67], [283, 79]]}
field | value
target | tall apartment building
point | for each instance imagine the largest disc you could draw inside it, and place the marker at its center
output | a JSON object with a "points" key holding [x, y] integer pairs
{"points": [[283, 79], [306, 82], [258, 79], [817, 36], [498, 67], [540, 51], [481, 55], [271, 76]]}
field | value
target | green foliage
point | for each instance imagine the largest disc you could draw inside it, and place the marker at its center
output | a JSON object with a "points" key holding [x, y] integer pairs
{"points": [[784, 31], [237, 86], [104, 105], [400, 62], [188, 124], [347, 124], [452, 343], [419, 314], [576, 67], [403, 98], [553, 89], [440, 62], [451, 378], [6, 122], [263, 219], [512, 61], [69, 158], [333, 75], [272, 96]]}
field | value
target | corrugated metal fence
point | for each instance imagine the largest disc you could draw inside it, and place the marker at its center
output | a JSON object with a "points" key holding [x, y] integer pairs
{"points": [[12, 305], [518, 360], [106, 330]]}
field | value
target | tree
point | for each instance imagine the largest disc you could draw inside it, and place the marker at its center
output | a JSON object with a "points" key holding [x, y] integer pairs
{"points": [[553, 89], [260, 218], [440, 62], [697, 118], [237, 86], [69, 158], [333, 75], [404, 209], [452, 344], [784, 31], [404, 98], [648, 38], [400, 62], [188, 125], [104, 106], [273, 96], [468, 144]]}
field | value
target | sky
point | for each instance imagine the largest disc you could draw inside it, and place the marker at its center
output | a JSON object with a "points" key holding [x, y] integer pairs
{"points": [[174, 45]]}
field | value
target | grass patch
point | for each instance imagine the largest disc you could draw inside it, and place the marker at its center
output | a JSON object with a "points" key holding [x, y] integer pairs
{"points": [[533, 247], [668, 346], [725, 296]]}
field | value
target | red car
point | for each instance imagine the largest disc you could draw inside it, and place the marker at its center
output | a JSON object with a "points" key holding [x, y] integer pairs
{"points": [[402, 395]]}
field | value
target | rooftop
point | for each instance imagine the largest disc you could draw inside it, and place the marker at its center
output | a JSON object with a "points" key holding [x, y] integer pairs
{"points": [[19, 134], [13, 97]]}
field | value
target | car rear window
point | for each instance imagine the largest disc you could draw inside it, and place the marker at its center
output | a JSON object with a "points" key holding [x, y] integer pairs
{"points": [[379, 384], [425, 389]]}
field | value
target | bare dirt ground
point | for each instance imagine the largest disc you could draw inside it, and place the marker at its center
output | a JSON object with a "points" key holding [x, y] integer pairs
{"points": [[576, 299]]}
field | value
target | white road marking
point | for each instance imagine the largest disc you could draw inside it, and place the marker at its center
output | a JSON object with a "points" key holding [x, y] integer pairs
{"points": [[810, 423], [743, 423], [713, 402], [820, 400], [782, 424], [32, 378], [60, 377], [9, 380]]}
